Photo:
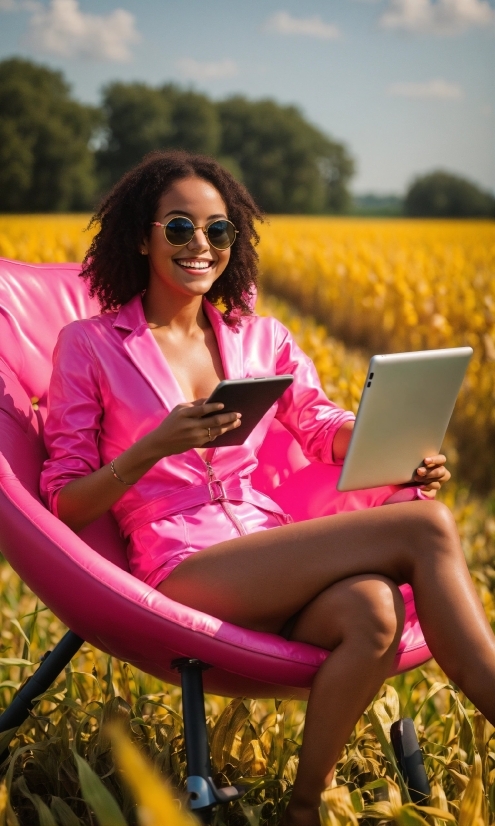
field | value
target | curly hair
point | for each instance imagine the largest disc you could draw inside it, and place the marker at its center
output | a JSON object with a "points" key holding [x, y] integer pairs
{"points": [[113, 265]]}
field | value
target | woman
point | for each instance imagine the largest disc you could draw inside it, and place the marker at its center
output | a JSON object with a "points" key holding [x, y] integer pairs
{"points": [[129, 430]]}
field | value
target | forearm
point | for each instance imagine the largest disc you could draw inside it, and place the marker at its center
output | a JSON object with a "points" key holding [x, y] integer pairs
{"points": [[341, 441], [187, 426], [85, 499]]}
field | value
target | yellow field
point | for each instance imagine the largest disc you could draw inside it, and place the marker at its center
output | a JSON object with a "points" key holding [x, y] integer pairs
{"points": [[44, 238], [301, 259], [400, 285]]}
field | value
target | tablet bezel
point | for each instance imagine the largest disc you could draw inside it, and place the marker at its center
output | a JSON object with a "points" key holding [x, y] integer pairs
{"points": [[405, 408]]}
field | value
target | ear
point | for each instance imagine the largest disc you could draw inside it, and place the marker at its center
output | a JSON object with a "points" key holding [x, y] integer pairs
{"points": [[143, 247]]}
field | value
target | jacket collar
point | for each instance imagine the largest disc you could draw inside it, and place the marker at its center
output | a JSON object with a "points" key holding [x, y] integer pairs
{"points": [[146, 355]]}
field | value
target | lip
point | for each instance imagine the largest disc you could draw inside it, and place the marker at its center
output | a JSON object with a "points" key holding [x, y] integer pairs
{"points": [[195, 270]]}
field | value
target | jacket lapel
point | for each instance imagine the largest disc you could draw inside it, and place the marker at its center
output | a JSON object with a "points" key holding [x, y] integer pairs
{"points": [[145, 353], [147, 357]]}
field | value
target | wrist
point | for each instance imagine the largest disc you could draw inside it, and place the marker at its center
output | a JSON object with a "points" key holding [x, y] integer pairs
{"points": [[118, 477], [151, 448], [133, 463]]}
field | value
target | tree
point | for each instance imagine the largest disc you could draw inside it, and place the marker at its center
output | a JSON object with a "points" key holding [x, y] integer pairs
{"points": [[140, 118], [58, 155], [137, 120], [287, 164], [443, 195], [195, 121], [46, 164]]}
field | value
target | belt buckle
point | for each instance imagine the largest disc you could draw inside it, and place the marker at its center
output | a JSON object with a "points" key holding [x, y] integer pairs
{"points": [[214, 496]]}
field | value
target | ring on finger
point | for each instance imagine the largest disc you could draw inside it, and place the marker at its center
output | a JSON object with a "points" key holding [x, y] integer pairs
{"points": [[209, 435]]}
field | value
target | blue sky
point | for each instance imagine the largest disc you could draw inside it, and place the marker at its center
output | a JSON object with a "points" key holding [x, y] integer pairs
{"points": [[408, 85]]}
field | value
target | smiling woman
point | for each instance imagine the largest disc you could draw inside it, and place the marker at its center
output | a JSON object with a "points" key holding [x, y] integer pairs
{"points": [[129, 431], [178, 271], [128, 216], [190, 262]]}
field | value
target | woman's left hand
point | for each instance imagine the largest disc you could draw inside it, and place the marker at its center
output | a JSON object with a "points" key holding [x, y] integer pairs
{"points": [[432, 475]]}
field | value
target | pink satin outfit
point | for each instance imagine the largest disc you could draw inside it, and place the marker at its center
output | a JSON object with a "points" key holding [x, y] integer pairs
{"points": [[111, 385]]}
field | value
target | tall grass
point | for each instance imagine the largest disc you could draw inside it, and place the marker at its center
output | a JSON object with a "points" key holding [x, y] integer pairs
{"points": [[400, 285], [255, 742]]}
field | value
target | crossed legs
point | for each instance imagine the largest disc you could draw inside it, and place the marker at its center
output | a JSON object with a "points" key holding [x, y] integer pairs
{"points": [[343, 572]]}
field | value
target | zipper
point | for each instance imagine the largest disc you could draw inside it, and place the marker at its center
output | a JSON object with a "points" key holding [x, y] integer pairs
{"points": [[212, 482]]}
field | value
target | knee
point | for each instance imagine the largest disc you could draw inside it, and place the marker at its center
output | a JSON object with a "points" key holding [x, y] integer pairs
{"points": [[374, 614], [437, 526]]}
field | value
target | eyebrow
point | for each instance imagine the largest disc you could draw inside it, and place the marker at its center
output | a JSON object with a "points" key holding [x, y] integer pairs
{"points": [[188, 214]]}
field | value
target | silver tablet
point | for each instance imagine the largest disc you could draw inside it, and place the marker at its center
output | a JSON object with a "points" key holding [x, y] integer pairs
{"points": [[407, 402]]}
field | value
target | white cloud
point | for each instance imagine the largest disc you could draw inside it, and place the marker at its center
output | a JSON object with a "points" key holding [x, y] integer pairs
{"points": [[214, 70], [283, 23], [431, 90], [62, 29], [18, 5], [442, 17]]}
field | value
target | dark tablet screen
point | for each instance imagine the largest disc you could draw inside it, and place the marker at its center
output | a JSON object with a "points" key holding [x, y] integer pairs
{"points": [[252, 398]]}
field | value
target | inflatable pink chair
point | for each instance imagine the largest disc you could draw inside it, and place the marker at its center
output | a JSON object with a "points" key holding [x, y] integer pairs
{"points": [[84, 578]]}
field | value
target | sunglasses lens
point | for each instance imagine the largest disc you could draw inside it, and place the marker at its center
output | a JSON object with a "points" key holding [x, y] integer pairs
{"points": [[221, 234], [179, 231]]}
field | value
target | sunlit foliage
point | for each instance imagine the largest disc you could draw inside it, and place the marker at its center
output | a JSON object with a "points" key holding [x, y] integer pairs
{"points": [[400, 285]]}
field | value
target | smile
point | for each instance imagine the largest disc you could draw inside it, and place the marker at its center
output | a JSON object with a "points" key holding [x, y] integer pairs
{"points": [[193, 264]]}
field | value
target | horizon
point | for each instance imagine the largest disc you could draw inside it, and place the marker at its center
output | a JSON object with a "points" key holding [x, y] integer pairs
{"points": [[407, 85]]}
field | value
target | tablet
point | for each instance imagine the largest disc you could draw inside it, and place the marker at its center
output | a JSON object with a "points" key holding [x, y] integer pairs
{"points": [[251, 397], [406, 405]]}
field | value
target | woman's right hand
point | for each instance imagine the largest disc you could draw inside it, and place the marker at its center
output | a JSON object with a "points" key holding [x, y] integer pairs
{"points": [[185, 428], [85, 499]]}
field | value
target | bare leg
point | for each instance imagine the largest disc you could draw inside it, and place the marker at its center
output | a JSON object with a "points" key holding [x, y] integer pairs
{"points": [[360, 620], [259, 581]]}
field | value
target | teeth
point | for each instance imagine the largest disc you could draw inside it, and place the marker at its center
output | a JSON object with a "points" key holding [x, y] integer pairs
{"points": [[195, 265]]}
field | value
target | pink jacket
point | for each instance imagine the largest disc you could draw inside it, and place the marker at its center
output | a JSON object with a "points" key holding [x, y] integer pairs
{"points": [[111, 385]]}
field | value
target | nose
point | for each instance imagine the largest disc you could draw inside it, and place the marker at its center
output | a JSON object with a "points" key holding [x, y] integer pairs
{"points": [[199, 241]]}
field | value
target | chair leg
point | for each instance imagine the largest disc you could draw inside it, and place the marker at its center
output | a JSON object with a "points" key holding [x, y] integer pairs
{"points": [[204, 794], [410, 759], [52, 664]]}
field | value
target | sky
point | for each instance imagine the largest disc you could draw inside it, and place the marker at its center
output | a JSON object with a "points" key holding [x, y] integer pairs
{"points": [[407, 85]]}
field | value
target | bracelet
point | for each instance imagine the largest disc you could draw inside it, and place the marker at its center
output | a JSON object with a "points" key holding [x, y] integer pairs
{"points": [[116, 475]]}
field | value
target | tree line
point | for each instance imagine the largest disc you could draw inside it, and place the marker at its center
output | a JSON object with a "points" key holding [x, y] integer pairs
{"points": [[58, 155]]}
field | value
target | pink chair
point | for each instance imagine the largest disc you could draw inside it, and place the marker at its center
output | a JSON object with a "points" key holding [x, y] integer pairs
{"points": [[84, 579]]}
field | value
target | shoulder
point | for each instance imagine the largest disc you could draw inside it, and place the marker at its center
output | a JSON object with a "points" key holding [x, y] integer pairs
{"points": [[266, 326], [82, 337], [262, 322], [84, 329]]}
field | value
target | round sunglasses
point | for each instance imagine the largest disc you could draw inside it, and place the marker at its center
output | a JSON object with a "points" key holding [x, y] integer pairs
{"points": [[220, 233]]}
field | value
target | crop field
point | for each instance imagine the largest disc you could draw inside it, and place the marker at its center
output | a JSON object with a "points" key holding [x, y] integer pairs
{"points": [[401, 285], [359, 286]]}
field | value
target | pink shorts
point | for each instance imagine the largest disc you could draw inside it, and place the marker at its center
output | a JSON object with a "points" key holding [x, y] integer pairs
{"points": [[157, 548]]}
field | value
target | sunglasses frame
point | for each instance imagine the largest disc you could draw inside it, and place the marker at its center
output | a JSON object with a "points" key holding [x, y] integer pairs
{"points": [[205, 230]]}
